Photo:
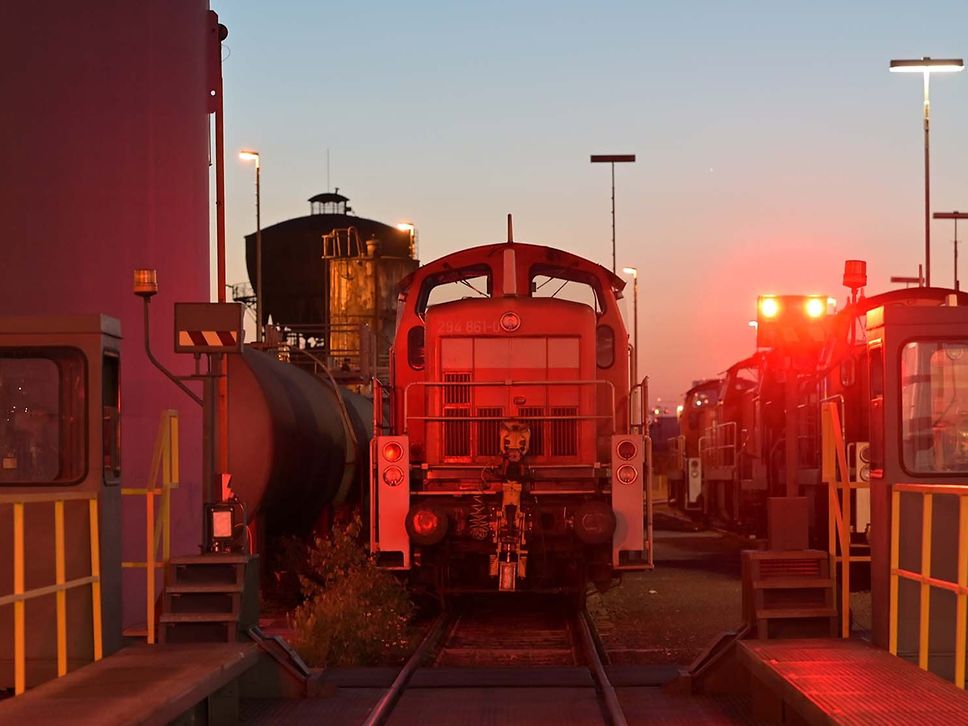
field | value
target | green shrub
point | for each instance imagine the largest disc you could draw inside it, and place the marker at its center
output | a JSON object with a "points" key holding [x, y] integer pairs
{"points": [[354, 613]]}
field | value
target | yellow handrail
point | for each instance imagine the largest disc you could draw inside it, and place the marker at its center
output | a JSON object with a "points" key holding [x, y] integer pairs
{"points": [[60, 587], [836, 475], [924, 578], [164, 465]]}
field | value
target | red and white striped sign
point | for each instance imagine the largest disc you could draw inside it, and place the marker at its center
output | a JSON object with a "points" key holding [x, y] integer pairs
{"points": [[212, 338]]}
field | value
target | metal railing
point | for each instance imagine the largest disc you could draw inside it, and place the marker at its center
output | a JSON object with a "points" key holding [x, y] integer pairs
{"points": [[924, 578], [61, 585], [837, 476], [162, 479], [721, 445]]}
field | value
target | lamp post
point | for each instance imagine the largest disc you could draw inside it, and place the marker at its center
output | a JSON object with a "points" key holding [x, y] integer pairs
{"points": [[249, 155], [612, 159], [634, 272], [956, 215], [926, 66]]}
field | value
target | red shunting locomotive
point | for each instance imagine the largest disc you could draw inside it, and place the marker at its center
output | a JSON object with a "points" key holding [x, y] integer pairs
{"points": [[504, 456]]}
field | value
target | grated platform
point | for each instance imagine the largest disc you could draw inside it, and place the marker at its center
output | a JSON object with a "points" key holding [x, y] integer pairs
{"points": [[847, 682]]}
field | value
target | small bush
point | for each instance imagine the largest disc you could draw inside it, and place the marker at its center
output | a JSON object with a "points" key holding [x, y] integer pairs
{"points": [[354, 613]]}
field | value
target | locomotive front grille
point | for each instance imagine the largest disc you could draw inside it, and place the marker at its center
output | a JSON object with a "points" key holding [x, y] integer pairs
{"points": [[536, 447], [564, 431], [489, 431]]}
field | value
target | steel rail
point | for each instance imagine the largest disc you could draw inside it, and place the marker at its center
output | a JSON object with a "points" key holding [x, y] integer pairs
{"points": [[384, 707], [613, 709]]}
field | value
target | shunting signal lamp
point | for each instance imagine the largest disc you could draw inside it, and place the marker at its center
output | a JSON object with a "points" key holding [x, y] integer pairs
{"points": [[392, 451]]}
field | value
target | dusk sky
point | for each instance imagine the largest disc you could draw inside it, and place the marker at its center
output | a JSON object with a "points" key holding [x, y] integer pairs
{"points": [[772, 141]]}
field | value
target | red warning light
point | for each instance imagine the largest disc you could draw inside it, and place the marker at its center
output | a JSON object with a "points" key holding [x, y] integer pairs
{"points": [[510, 321], [392, 451]]}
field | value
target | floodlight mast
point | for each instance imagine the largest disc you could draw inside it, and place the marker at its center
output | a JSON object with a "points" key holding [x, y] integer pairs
{"points": [[926, 66], [612, 159]]}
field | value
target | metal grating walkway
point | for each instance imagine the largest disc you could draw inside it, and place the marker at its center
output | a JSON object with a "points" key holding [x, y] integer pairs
{"points": [[846, 682]]}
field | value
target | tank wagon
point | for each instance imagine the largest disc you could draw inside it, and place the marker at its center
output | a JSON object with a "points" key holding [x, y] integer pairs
{"points": [[507, 460]]}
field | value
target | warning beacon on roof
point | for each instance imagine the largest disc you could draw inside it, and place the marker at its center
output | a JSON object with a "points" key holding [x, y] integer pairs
{"points": [[208, 327]]}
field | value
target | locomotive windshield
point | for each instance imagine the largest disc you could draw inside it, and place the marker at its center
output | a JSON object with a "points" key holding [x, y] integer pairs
{"points": [[458, 284], [567, 284], [934, 407]]}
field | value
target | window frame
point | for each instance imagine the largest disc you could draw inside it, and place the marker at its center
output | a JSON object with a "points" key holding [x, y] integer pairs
{"points": [[45, 352]]}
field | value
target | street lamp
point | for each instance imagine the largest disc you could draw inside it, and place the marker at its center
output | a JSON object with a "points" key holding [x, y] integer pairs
{"points": [[926, 66], [249, 155], [612, 159], [956, 215], [412, 230], [634, 272]]}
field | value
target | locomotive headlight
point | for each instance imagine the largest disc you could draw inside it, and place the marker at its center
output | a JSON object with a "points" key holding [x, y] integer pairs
{"points": [[627, 474], [769, 307], [392, 451], [815, 307], [393, 475], [627, 450], [510, 321]]}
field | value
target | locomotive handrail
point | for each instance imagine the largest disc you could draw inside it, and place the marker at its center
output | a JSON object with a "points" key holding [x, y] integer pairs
{"points": [[924, 577], [715, 434]]}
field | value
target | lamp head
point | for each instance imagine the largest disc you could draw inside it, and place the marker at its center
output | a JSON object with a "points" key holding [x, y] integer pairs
{"points": [[928, 65], [145, 283], [249, 155]]}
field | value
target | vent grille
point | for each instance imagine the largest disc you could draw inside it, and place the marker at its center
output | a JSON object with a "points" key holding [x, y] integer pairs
{"points": [[789, 568], [457, 395], [564, 433], [457, 433], [489, 432], [536, 447]]}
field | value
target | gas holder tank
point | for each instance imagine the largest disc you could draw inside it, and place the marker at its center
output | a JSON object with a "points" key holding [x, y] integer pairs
{"points": [[296, 442]]}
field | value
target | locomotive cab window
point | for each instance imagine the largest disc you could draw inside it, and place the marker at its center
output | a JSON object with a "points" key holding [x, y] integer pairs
{"points": [[934, 407], [451, 285], [567, 284], [43, 433]]}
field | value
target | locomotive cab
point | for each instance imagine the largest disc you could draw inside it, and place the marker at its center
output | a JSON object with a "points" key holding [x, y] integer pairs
{"points": [[507, 459]]}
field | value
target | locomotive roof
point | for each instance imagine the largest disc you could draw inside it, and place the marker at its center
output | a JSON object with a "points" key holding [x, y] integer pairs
{"points": [[526, 254]]}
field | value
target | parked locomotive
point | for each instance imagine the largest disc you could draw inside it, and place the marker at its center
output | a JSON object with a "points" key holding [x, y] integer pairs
{"points": [[508, 459], [806, 357]]}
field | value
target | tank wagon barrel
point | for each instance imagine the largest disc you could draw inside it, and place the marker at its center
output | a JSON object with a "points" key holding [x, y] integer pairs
{"points": [[298, 442]]}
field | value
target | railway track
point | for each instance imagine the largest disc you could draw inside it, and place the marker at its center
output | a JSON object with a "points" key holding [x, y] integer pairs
{"points": [[501, 644]]}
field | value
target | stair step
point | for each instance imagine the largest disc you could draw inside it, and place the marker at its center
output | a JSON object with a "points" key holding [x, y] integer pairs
{"points": [[211, 559], [215, 588], [793, 583], [199, 618], [802, 612]]}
